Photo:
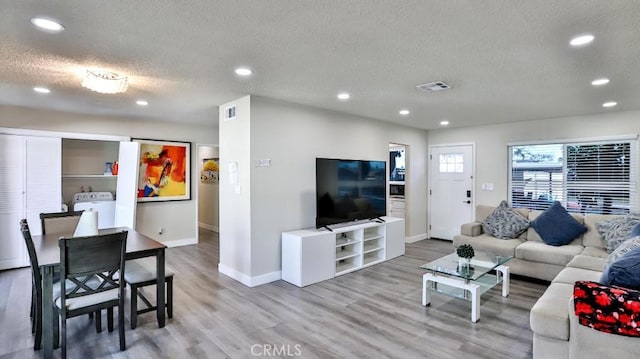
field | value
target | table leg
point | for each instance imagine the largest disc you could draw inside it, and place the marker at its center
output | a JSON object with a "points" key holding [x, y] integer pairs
{"points": [[475, 303], [160, 294], [425, 289], [505, 279], [47, 311]]}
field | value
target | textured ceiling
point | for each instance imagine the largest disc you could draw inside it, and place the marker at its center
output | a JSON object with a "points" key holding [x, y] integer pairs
{"points": [[506, 60]]}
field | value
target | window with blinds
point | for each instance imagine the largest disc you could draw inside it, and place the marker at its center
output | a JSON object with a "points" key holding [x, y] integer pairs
{"points": [[595, 177]]}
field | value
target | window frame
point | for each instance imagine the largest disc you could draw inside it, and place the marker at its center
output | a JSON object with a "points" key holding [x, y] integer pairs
{"points": [[632, 140]]}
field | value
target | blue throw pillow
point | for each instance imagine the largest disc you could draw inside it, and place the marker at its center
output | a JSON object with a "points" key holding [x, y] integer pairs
{"points": [[556, 226], [624, 272], [635, 232]]}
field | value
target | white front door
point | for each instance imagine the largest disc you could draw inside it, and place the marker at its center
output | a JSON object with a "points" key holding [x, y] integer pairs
{"points": [[451, 189]]}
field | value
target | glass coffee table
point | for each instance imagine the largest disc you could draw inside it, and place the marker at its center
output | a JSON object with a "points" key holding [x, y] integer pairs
{"points": [[446, 276]]}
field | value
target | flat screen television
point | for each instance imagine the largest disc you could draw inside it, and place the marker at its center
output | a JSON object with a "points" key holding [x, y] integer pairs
{"points": [[349, 190]]}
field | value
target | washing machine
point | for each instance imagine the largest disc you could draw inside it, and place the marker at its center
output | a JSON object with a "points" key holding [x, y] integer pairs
{"points": [[102, 202]]}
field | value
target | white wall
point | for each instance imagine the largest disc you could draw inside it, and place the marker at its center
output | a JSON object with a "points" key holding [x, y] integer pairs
{"points": [[207, 192], [283, 195], [178, 217], [491, 142], [235, 199]]}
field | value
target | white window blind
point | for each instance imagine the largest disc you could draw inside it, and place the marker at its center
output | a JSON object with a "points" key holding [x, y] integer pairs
{"points": [[595, 177]]}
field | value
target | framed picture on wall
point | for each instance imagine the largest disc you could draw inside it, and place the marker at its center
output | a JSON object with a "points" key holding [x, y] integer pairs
{"points": [[164, 172], [210, 170]]}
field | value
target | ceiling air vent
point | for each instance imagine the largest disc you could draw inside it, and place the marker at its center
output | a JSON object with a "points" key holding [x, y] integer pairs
{"points": [[434, 86]]}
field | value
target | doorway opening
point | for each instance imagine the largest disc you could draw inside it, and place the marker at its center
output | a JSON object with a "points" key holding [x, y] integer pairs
{"points": [[208, 162]]}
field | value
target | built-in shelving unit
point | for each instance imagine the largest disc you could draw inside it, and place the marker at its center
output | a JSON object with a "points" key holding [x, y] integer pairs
{"points": [[313, 255], [83, 166]]}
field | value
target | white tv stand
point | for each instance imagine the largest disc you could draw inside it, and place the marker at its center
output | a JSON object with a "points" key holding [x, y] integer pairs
{"points": [[313, 255]]}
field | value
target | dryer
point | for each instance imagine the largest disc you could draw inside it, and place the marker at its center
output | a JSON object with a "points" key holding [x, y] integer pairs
{"points": [[102, 202]]}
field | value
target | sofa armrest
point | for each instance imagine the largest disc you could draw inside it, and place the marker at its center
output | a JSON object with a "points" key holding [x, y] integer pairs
{"points": [[608, 309], [472, 229]]}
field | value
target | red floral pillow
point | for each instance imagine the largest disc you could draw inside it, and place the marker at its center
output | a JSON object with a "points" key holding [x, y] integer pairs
{"points": [[608, 309]]}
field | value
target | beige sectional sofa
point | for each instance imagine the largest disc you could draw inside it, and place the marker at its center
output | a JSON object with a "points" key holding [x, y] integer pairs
{"points": [[556, 332]]}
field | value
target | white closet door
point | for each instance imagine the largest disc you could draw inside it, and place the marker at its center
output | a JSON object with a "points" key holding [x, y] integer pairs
{"points": [[13, 251], [126, 188], [43, 179]]}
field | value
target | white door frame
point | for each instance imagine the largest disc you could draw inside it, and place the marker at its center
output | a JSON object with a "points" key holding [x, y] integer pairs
{"points": [[197, 186], [430, 181]]}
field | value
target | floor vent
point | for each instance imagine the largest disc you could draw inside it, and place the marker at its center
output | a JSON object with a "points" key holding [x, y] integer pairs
{"points": [[434, 86]]}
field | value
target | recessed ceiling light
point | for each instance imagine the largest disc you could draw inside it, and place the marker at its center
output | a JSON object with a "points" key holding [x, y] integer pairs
{"points": [[581, 40], [47, 24], [344, 96], [39, 89], [444, 123], [142, 103], [404, 112], [609, 104], [243, 71], [600, 82]]}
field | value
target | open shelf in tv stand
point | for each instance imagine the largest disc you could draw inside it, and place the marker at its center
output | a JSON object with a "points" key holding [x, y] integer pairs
{"points": [[313, 255]]}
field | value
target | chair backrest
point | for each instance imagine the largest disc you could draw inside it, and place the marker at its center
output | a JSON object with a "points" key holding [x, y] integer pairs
{"points": [[82, 258], [33, 258], [59, 222]]}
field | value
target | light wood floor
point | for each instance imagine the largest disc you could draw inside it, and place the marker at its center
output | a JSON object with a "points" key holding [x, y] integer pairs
{"points": [[371, 313]]}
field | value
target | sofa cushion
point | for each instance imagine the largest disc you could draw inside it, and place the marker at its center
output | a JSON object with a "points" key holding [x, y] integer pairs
{"points": [[608, 309], [556, 226], [471, 229], [624, 272], [623, 249], [571, 275], [549, 316], [587, 262], [504, 222], [595, 252], [487, 243], [544, 253], [617, 230], [592, 237]]}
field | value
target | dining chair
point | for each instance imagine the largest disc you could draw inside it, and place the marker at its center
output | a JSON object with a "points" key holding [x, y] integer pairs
{"points": [[36, 286], [80, 257], [59, 222], [139, 275], [65, 223]]}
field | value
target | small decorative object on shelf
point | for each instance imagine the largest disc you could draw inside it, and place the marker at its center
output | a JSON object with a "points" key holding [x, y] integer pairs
{"points": [[108, 168], [465, 253]]}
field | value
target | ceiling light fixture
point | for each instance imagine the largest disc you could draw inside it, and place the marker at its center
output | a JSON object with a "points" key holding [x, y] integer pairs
{"points": [[142, 103], [243, 71], [404, 112], [600, 82], [105, 82], [581, 40], [39, 89], [47, 24], [609, 104], [444, 123], [344, 96]]}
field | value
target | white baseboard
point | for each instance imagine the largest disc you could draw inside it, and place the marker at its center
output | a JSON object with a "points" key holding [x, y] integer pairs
{"points": [[208, 226], [248, 280], [180, 242], [412, 239]]}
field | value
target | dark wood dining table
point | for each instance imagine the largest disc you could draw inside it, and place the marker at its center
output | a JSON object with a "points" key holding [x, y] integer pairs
{"points": [[48, 252]]}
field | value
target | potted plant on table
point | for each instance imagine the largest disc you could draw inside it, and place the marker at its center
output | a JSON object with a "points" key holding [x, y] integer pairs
{"points": [[465, 253]]}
